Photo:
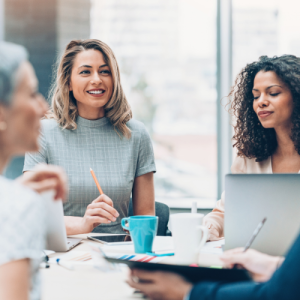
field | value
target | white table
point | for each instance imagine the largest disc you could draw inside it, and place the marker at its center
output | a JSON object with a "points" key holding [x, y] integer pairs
{"points": [[88, 283]]}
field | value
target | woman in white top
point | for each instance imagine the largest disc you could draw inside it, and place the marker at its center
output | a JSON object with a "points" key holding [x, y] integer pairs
{"points": [[21, 209], [266, 104]]}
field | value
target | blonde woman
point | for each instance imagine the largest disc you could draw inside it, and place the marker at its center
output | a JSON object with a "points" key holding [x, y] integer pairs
{"points": [[90, 126]]}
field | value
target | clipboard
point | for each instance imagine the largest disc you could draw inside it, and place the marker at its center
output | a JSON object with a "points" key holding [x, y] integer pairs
{"points": [[192, 274]]}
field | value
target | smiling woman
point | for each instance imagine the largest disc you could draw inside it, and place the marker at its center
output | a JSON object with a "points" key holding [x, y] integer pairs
{"points": [[86, 63], [90, 126], [91, 83], [266, 104]]}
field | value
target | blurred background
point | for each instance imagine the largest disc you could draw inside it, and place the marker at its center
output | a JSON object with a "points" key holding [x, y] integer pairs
{"points": [[178, 59]]}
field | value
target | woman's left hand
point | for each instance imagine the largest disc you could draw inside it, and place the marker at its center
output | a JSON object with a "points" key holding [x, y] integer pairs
{"points": [[159, 285], [44, 178], [261, 266]]}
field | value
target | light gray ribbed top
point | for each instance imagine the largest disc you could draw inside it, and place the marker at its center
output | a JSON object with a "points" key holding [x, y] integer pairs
{"points": [[95, 144]]}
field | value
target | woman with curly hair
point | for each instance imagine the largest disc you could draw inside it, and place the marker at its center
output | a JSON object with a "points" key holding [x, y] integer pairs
{"points": [[266, 105], [90, 126]]}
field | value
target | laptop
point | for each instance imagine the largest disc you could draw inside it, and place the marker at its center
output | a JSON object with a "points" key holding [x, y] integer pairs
{"points": [[251, 197], [56, 231]]}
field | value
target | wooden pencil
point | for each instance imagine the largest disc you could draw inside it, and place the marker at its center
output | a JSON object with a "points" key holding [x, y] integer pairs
{"points": [[96, 181]]}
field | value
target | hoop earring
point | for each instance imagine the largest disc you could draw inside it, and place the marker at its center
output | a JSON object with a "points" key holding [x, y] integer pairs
{"points": [[3, 126]]}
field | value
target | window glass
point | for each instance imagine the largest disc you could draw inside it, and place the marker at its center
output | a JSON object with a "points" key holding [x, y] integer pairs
{"points": [[167, 55], [269, 27]]}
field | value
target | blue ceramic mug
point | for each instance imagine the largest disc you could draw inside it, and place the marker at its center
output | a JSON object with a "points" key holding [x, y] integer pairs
{"points": [[142, 230]]}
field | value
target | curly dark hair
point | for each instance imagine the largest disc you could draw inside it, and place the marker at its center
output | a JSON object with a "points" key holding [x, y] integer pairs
{"points": [[252, 140]]}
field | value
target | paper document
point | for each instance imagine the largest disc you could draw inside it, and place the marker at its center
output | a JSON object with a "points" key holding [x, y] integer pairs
{"points": [[164, 244], [213, 247], [74, 257], [161, 244]]}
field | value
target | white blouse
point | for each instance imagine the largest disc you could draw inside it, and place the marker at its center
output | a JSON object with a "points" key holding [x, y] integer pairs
{"points": [[22, 230]]}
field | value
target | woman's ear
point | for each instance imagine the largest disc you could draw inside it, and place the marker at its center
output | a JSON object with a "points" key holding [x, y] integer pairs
{"points": [[70, 87]]}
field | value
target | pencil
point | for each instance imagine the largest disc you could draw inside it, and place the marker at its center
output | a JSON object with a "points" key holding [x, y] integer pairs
{"points": [[254, 234], [96, 181]]}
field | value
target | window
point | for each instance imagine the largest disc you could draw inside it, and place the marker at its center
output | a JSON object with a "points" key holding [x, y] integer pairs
{"points": [[167, 55], [269, 27]]}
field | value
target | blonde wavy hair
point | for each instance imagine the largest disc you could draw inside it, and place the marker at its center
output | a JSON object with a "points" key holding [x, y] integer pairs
{"points": [[63, 104]]}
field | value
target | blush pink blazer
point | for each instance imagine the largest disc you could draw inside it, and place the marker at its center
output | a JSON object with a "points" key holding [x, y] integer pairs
{"points": [[214, 221]]}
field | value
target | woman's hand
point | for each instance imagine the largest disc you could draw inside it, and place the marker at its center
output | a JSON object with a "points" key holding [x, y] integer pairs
{"points": [[44, 178], [100, 211], [261, 266], [159, 285]]}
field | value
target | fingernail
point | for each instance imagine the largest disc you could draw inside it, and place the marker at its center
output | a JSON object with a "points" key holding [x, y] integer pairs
{"points": [[108, 221], [114, 219]]}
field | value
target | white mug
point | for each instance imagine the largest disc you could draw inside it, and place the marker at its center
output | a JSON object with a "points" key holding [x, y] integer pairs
{"points": [[189, 236]]}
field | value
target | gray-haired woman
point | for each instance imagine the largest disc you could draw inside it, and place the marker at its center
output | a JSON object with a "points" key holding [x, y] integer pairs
{"points": [[21, 209]]}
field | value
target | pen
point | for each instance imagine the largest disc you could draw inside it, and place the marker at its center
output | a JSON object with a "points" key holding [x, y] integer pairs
{"points": [[254, 235], [64, 264], [159, 255], [96, 181], [46, 260]]}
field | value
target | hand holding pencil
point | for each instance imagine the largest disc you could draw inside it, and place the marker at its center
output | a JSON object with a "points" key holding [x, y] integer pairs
{"points": [[261, 266], [100, 211]]}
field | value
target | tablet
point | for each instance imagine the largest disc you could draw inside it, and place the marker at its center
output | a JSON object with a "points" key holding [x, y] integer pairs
{"points": [[117, 239], [192, 274]]}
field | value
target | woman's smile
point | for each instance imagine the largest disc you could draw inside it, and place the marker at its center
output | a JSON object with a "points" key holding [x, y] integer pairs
{"points": [[96, 92]]}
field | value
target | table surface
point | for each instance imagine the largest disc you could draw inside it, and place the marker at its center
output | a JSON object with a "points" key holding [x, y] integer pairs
{"points": [[87, 282]]}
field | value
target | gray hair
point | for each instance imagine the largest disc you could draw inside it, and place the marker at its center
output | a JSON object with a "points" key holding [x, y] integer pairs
{"points": [[11, 57]]}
